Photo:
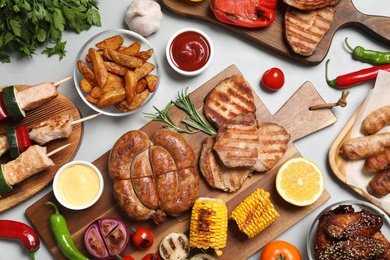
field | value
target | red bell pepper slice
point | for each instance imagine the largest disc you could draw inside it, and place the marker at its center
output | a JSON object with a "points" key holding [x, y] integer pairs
{"points": [[245, 13], [3, 110], [23, 138]]}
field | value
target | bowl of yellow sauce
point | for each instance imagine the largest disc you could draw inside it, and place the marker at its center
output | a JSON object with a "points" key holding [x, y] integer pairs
{"points": [[78, 185]]}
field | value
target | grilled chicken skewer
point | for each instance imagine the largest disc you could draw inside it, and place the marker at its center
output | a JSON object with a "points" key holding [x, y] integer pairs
{"points": [[16, 100], [35, 159], [52, 129]]}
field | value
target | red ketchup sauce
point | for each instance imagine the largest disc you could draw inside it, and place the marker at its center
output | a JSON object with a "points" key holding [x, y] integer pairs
{"points": [[189, 51]]}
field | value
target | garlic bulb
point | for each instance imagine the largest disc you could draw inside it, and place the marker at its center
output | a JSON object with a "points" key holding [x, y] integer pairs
{"points": [[144, 17]]}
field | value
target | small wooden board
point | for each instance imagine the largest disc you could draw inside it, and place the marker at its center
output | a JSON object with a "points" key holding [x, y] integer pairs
{"points": [[339, 163], [29, 187], [272, 37], [295, 116]]}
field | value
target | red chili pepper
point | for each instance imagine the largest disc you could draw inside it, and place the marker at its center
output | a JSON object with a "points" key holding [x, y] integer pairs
{"points": [[3, 110], [356, 77], [24, 141], [245, 13], [11, 229]]}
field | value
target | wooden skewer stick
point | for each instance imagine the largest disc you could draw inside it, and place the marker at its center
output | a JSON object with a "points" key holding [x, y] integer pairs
{"points": [[85, 118], [56, 84], [57, 150]]}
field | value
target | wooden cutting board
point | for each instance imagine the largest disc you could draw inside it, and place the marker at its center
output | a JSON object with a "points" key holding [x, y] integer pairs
{"points": [[295, 116], [29, 187], [272, 37]]}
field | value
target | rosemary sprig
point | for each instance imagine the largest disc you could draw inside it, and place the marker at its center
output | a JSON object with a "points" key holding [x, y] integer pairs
{"points": [[194, 124]]}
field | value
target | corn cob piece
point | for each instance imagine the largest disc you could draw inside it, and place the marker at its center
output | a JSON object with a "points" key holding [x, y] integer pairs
{"points": [[255, 213], [208, 226]]}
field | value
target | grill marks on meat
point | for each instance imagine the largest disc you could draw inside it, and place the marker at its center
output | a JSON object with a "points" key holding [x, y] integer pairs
{"points": [[230, 97], [217, 175], [305, 29], [30, 162], [52, 129], [343, 233], [34, 96], [237, 140], [273, 141], [310, 4]]}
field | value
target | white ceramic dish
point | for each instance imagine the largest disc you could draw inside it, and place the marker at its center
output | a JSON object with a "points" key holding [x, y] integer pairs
{"points": [[129, 38], [75, 189], [170, 59], [357, 205]]}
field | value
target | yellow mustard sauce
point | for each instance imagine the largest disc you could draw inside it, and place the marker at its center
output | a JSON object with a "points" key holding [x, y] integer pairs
{"points": [[78, 184]]}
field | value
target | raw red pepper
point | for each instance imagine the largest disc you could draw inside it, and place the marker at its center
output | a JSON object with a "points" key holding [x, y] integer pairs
{"points": [[245, 13], [3, 110], [16, 230], [24, 141], [356, 77]]}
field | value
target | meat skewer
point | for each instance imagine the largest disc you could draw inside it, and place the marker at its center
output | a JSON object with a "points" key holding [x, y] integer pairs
{"points": [[34, 160], [15, 101], [52, 129]]}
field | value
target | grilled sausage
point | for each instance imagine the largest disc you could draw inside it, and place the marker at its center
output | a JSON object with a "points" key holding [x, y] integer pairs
{"points": [[376, 120], [365, 146], [378, 162], [379, 186]]}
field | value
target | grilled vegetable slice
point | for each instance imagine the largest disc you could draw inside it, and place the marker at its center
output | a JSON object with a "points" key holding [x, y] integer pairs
{"points": [[174, 246], [4, 186], [11, 103], [209, 221], [255, 213], [12, 142]]}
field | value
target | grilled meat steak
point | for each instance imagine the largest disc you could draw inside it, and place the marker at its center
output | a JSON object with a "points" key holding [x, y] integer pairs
{"points": [[310, 4], [305, 29], [229, 98], [217, 175]]}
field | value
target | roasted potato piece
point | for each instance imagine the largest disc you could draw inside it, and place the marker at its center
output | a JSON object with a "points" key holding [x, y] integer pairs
{"points": [[144, 70], [131, 62], [132, 50], [91, 100], [112, 86], [111, 98], [115, 68], [99, 69], [114, 43], [139, 99], [130, 85], [86, 71], [152, 81], [145, 55], [114, 78], [141, 85], [96, 92], [85, 85]]}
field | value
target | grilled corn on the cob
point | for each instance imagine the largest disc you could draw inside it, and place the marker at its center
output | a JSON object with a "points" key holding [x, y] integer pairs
{"points": [[209, 221], [255, 213]]}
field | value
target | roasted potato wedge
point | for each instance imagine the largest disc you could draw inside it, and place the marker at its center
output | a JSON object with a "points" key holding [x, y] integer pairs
{"points": [[128, 61], [114, 43], [98, 67], [111, 98]]}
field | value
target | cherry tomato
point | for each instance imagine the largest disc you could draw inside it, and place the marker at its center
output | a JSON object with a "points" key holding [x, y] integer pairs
{"points": [[142, 238], [273, 79], [151, 256], [278, 250], [127, 257]]}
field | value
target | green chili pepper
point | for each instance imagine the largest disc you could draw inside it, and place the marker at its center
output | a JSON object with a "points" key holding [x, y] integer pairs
{"points": [[62, 236], [369, 56]]}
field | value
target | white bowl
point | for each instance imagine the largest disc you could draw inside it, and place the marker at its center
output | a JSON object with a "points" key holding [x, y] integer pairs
{"points": [[190, 66], [357, 205], [71, 185], [129, 38]]}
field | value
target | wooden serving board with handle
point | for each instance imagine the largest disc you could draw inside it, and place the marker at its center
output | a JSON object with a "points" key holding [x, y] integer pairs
{"points": [[60, 105], [295, 116], [272, 37]]}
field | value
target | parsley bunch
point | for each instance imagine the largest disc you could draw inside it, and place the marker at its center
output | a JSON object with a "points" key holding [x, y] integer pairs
{"points": [[27, 24]]}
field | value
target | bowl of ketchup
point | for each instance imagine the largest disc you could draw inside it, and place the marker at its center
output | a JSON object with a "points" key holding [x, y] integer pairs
{"points": [[189, 51]]}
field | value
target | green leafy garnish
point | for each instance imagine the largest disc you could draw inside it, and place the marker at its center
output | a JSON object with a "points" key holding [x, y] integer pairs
{"points": [[194, 123], [27, 24]]}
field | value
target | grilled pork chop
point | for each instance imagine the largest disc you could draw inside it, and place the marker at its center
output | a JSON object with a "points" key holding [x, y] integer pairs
{"points": [[273, 141], [305, 29], [217, 175], [310, 4], [229, 98], [237, 141]]}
